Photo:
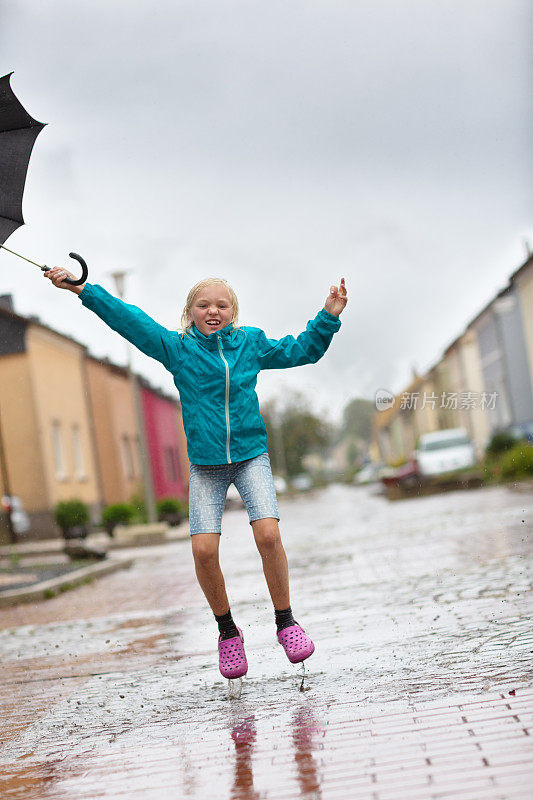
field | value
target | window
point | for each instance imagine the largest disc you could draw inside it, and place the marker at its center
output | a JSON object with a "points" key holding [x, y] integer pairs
{"points": [[59, 456], [137, 456], [170, 464], [79, 467], [127, 457]]}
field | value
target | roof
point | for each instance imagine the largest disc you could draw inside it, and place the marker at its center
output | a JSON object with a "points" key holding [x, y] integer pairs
{"points": [[34, 320], [106, 362], [528, 264]]}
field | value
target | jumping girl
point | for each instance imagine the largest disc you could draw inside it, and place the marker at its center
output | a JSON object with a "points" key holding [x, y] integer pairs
{"points": [[215, 362]]}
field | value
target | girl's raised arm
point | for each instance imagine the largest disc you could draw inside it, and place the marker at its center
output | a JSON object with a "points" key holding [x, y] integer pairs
{"points": [[129, 321], [310, 345], [307, 348]]}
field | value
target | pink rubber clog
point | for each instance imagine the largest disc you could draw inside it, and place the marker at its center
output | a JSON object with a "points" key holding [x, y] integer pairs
{"points": [[297, 644], [231, 656]]}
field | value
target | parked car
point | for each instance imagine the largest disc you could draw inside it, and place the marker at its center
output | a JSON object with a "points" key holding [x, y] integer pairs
{"points": [[444, 451], [407, 475], [369, 473], [19, 519]]}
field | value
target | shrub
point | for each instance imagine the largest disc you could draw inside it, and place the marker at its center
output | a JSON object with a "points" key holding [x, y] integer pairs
{"points": [[500, 443], [518, 462], [72, 516], [492, 470], [171, 510], [169, 505], [116, 514]]}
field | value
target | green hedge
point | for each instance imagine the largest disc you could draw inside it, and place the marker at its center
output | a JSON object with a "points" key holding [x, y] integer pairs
{"points": [[171, 510], [500, 443], [518, 461], [71, 513], [170, 505], [117, 514], [515, 463]]}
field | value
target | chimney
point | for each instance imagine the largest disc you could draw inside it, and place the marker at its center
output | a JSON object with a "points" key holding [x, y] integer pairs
{"points": [[6, 302]]}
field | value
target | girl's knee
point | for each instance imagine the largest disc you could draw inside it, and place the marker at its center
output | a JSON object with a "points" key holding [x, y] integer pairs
{"points": [[205, 548], [266, 533]]}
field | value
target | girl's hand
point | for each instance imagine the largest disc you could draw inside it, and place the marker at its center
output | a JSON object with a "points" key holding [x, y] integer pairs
{"points": [[58, 274], [337, 299]]}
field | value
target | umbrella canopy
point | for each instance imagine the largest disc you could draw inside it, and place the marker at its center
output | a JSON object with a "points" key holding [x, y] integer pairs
{"points": [[18, 132]]}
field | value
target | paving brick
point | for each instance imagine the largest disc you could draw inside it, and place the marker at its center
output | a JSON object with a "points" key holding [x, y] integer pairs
{"points": [[420, 621]]}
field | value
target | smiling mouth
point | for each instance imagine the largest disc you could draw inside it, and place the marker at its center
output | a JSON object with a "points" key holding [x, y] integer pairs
{"points": [[213, 323]]}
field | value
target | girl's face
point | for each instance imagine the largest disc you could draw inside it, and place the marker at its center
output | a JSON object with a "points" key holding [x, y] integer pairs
{"points": [[211, 309]]}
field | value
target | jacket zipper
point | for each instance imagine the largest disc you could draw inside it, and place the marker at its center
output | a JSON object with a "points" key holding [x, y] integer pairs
{"points": [[228, 430]]}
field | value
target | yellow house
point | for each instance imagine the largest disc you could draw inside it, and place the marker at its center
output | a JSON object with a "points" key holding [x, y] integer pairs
{"points": [[115, 428], [45, 426], [472, 416], [413, 412], [68, 427], [116, 433]]}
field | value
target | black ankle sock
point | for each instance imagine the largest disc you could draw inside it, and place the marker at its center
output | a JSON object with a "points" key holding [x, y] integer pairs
{"points": [[284, 618], [226, 626]]}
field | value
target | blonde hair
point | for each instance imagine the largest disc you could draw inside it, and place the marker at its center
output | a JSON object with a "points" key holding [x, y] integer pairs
{"points": [[186, 321]]}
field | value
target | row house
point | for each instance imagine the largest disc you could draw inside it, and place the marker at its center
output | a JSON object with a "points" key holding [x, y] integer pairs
{"points": [[483, 381], [167, 444], [68, 426]]}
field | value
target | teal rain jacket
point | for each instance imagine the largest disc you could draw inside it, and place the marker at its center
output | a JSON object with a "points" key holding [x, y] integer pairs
{"points": [[215, 375]]}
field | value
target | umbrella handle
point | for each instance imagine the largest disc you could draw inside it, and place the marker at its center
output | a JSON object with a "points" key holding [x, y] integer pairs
{"points": [[84, 271]]}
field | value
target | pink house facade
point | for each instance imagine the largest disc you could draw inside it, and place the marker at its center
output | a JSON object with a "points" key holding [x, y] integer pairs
{"points": [[161, 414]]}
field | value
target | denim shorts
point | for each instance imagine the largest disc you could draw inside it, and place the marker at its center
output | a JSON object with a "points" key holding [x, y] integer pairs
{"points": [[209, 484]]}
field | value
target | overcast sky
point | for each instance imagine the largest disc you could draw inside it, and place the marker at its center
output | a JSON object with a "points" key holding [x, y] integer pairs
{"points": [[279, 145]]}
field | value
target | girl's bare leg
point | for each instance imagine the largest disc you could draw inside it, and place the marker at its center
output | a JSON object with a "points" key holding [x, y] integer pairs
{"points": [[205, 552], [275, 566]]}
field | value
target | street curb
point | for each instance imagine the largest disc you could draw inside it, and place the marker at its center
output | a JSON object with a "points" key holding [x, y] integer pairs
{"points": [[48, 589], [48, 547]]}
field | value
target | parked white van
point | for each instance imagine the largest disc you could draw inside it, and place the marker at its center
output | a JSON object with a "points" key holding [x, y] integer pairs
{"points": [[444, 451]]}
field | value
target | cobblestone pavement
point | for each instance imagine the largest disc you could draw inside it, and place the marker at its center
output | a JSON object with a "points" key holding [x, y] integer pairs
{"points": [[421, 685]]}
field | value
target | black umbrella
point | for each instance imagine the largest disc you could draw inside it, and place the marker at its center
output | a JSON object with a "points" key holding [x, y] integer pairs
{"points": [[18, 132]]}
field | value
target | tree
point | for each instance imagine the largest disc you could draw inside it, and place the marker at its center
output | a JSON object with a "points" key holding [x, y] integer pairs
{"points": [[357, 419], [352, 454], [293, 431]]}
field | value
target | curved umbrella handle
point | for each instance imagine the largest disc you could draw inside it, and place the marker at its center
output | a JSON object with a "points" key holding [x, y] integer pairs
{"points": [[84, 271]]}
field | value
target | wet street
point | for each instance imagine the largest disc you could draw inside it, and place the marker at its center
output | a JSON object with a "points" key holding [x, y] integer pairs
{"points": [[421, 685]]}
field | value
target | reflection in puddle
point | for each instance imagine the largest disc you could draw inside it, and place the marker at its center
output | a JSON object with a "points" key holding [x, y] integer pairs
{"points": [[244, 735], [305, 732]]}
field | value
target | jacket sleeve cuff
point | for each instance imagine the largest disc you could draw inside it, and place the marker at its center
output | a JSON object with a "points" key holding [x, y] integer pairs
{"points": [[85, 292], [333, 321]]}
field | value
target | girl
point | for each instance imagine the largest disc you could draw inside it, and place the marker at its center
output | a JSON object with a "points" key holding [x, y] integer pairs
{"points": [[215, 362]]}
